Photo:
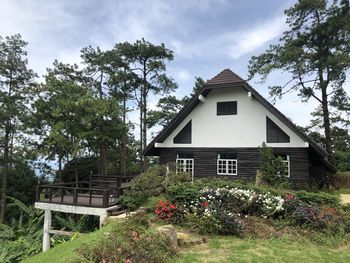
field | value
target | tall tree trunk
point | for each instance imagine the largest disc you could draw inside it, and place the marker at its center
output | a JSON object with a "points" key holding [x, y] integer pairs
{"points": [[102, 146], [60, 168], [11, 148], [5, 172], [144, 130], [76, 174], [123, 156], [141, 130], [326, 121]]}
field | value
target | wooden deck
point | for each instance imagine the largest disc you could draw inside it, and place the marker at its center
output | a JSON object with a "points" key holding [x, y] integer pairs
{"points": [[99, 193]]}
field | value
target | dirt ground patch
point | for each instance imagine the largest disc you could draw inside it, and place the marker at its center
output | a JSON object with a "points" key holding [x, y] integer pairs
{"points": [[345, 198]]}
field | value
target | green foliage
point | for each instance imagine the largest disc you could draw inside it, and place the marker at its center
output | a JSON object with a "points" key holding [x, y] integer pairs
{"points": [[23, 236], [16, 83], [315, 51], [223, 223], [22, 183], [149, 65], [75, 223], [320, 198], [203, 224], [183, 193], [131, 240], [272, 168], [177, 178], [84, 166], [342, 160], [147, 184], [170, 105]]}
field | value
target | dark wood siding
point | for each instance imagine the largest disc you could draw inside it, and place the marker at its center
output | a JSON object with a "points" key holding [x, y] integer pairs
{"points": [[248, 161], [185, 135]]}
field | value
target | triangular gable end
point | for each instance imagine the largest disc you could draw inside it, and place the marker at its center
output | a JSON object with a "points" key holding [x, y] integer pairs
{"points": [[274, 134], [185, 135]]}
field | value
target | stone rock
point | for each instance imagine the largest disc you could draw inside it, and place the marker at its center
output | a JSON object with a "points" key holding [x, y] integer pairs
{"points": [[205, 239], [181, 235], [181, 238], [170, 231], [195, 241]]}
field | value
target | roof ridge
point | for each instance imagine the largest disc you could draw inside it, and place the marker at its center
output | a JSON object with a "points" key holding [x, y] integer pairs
{"points": [[225, 76]]}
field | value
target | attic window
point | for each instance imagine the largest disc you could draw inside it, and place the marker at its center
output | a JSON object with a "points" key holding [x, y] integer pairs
{"points": [[226, 108], [185, 135], [274, 134]]}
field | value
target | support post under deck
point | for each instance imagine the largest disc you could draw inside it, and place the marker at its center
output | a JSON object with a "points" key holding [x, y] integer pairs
{"points": [[102, 213], [47, 227]]}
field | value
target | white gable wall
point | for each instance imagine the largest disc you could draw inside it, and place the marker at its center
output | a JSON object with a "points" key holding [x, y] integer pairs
{"points": [[246, 129]]}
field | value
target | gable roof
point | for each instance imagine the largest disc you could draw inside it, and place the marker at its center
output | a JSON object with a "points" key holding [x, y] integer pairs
{"points": [[227, 78]]}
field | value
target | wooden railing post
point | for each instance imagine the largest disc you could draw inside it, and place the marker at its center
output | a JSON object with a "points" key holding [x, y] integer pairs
{"points": [[75, 196], [62, 195], [105, 197], [37, 193]]}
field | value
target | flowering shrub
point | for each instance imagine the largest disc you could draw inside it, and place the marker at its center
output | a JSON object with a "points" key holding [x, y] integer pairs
{"points": [[318, 218], [237, 201], [165, 210], [230, 224], [268, 204]]}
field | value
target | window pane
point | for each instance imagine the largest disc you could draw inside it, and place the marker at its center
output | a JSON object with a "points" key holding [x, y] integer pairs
{"points": [[226, 108], [184, 165]]}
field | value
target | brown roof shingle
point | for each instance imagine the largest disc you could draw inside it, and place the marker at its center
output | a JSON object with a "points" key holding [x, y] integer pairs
{"points": [[225, 76]]}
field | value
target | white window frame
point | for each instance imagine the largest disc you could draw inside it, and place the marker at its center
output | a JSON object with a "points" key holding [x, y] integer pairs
{"points": [[183, 167], [227, 163], [288, 167]]}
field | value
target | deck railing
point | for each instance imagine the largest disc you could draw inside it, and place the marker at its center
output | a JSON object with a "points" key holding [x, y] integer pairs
{"points": [[99, 191]]}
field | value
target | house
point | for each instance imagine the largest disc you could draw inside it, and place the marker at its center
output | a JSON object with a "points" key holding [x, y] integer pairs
{"points": [[218, 134]]}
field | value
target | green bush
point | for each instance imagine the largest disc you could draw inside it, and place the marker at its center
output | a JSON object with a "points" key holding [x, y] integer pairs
{"points": [[183, 193], [174, 178], [149, 183], [130, 239], [271, 167], [320, 198], [203, 224], [223, 223]]}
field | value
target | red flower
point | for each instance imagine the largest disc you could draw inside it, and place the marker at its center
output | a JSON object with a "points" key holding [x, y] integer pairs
{"points": [[164, 209], [204, 204]]}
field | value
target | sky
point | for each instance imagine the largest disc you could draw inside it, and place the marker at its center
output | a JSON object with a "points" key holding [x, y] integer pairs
{"points": [[206, 36]]}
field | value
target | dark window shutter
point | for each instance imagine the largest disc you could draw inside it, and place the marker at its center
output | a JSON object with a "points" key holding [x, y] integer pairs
{"points": [[185, 135], [226, 108], [275, 134]]}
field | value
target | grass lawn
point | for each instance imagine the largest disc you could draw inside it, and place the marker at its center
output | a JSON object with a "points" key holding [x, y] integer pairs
{"points": [[218, 249], [229, 249], [65, 252]]}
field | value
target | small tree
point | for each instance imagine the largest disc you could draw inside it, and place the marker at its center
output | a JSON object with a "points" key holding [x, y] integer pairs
{"points": [[273, 168]]}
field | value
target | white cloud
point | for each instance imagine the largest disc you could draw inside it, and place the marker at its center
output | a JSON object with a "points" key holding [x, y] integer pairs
{"points": [[183, 75], [233, 43], [246, 41]]}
